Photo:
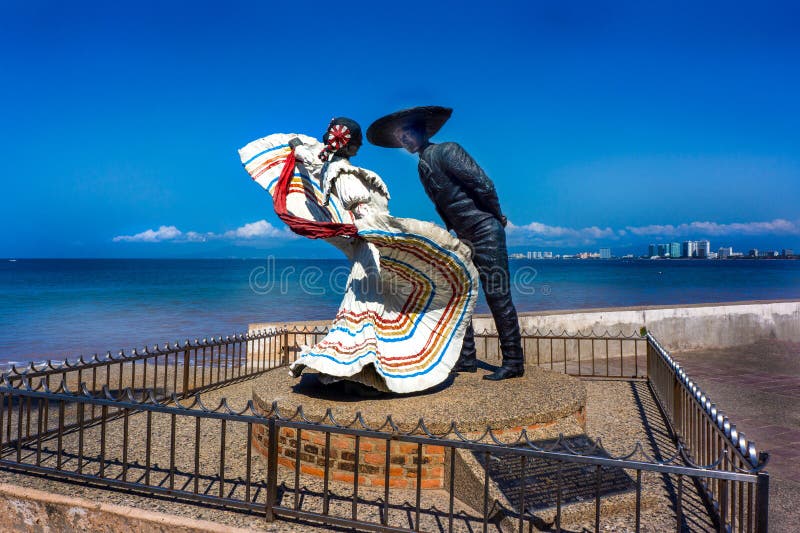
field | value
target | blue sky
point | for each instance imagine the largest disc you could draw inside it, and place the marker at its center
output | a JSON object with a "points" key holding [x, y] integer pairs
{"points": [[616, 124]]}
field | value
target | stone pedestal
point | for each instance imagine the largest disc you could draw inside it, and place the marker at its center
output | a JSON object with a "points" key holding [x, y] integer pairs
{"points": [[544, 403]]}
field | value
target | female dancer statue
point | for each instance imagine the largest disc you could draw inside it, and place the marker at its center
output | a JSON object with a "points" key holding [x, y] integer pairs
{"points": [[412, 287]]}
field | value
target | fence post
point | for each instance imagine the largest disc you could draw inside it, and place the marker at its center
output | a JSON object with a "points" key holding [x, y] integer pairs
{"points": [[762, 502], [186, 371], [272, 468], [285, 347], [677, 405], [2, 411]]}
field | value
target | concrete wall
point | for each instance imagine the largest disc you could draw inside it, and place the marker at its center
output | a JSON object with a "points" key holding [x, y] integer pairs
{"points": [[687, 327], [679, 327], [25, 509]]}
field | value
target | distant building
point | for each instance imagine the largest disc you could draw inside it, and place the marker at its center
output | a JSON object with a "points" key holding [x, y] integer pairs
{"points": [[605, 253], [753, 252], [674, 249], [787, 252], [547, 255], [689, 249], [652, 250], [663, 250], [725, 252], [704, 249]]}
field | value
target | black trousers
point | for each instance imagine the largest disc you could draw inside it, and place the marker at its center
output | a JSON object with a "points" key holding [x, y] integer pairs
{"points": [[489, 255]]}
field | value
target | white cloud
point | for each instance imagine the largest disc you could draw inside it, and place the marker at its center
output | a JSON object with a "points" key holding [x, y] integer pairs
{"points": [[533, 233], [778, 226], [163, 233], [255, 230], [193, 236], [252, 231], [538, 233]]}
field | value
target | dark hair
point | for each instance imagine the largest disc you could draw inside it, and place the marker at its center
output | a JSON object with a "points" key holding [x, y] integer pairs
{"points": [[356, 137]]}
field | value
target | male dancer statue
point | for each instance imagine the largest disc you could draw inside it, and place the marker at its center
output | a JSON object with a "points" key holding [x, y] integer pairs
{"points": [[466, 200]]}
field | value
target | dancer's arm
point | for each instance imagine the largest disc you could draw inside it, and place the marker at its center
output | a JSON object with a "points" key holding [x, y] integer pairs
{"points": [[352, 192], [306, 157]]}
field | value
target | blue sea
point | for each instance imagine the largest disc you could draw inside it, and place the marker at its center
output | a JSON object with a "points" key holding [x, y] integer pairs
{"points": [[56, 308]]}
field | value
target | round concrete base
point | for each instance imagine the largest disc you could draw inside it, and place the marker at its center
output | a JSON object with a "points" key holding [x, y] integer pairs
{"points": [[543, 403]]}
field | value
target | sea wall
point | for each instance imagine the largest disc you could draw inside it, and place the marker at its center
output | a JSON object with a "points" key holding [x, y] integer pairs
{"points": [[678, 327]]}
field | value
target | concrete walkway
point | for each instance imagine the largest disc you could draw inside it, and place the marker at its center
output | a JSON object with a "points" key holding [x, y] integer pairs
{"points": [[758, 387]]}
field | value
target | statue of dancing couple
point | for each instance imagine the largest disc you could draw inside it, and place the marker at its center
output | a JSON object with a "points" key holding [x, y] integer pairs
{"points": [[405, 321]]}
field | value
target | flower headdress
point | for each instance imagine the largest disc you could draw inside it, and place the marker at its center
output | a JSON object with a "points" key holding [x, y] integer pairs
{"points": [[341, 132]]}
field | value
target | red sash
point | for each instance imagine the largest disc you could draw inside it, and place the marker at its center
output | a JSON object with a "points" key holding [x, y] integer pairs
{"points": [[301, 226]]}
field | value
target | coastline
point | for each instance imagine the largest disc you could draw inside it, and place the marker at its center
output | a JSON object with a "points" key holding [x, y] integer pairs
{"points": [[68, 308]]}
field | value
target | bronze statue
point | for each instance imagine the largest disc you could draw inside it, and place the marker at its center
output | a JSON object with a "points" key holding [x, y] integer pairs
{"points": [[466, 200]]}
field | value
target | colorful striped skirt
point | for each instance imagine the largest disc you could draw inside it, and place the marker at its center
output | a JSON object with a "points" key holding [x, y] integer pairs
{"points": [[410, 293]]}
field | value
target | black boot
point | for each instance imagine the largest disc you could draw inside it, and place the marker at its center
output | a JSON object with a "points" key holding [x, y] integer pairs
{"points": [[467, 361], [505, 372], [465, 366]]}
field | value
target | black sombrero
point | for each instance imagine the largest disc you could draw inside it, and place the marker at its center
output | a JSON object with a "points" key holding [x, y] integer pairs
{"points": [[427, 119]]}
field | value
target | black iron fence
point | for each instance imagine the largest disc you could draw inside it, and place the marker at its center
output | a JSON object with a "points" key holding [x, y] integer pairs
{"points": [[146, 429], [175, 370], [707, 436], [607, 355], [172, 368]]}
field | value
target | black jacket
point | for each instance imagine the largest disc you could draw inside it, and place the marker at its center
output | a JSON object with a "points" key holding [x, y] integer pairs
{"points": [[461, 191]]}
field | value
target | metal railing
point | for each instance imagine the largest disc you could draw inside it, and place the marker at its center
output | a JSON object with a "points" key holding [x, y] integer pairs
{"points": [[166, 371], [707, 436], [179, 368], [69, 429], [207, 455], [606, 354]]}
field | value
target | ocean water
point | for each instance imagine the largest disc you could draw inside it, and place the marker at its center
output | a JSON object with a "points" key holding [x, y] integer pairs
{"points": [[58, 308]]}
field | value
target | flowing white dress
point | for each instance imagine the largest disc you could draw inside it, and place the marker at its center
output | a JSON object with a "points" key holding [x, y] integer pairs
{"points": [[412, 286]]}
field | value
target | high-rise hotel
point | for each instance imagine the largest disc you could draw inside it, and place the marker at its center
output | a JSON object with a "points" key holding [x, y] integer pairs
{"points": [[701, 249]]}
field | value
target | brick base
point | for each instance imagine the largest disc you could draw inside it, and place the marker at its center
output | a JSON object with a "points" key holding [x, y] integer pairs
{"points": [[371, 458], [372, 462]]}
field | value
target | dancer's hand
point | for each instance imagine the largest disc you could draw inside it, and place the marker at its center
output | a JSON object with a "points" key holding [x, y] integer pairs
{"points": [[303, 154]]}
